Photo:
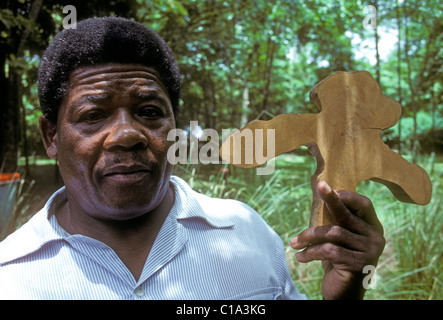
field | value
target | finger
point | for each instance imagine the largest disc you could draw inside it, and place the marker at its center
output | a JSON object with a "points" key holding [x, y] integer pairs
{"points": [[333, 234], [332, 253], [362, 207], [342, 215]]}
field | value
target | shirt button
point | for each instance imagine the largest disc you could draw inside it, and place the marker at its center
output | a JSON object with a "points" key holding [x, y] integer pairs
{"points": [[139, 291]]}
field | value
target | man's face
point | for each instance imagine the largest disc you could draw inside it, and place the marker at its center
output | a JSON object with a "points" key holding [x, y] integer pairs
{"points": [[111, 140]]}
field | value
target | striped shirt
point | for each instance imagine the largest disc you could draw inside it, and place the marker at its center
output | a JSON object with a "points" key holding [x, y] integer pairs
{"points": [[207, 248]]}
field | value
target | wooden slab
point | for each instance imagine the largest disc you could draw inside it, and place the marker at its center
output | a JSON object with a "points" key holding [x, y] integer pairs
{"points": [[345, 139]]}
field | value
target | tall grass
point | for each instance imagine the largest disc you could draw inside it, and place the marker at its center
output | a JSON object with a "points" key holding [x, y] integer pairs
{"points": [[411, 266]]}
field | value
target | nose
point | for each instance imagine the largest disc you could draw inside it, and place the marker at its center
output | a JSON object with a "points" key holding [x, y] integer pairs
{"points": [[125, 133]]}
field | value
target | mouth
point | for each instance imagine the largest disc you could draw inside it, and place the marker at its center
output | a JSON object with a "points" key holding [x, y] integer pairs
{"points": [[126, 173]]}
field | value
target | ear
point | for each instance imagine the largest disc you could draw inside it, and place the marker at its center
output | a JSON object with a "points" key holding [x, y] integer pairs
{"points": [[48, 132]]}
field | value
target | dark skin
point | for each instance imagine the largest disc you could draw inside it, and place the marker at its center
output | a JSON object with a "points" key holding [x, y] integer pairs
{"points": [[110, 141], [111, 144], [354, 241]]}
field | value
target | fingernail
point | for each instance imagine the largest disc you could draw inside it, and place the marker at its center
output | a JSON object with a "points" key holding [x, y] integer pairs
{"points": [[326, 186], [294, 240]]}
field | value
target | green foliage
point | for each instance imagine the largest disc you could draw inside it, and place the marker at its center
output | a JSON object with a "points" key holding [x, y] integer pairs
{"points": [[10, 21], [246, 59], [410, 267]]}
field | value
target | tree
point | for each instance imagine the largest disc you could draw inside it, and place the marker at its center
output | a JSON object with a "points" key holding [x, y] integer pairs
{"points": [[25, 29], [18, 31], [239, 59]]}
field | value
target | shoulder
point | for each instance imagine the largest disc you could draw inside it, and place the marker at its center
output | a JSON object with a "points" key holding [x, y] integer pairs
{"points": [[220, 212], [32, 236], [22, 241], [234, 210]]}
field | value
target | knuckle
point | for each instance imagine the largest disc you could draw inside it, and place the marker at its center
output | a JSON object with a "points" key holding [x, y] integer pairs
{"points": [[381, 240], [331, 251], [374, 250], [377, 239], [334, 233], [380, 243], [366, 202], [342, 218]]}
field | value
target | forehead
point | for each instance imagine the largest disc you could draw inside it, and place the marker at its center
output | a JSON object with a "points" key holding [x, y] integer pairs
{"points": [[112, 76]]}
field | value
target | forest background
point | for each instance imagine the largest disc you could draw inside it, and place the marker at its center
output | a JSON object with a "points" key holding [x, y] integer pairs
{"points": [[253, 59]]}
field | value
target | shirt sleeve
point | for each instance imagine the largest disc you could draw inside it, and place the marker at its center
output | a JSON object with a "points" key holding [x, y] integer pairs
{"points": [[289, 290]]}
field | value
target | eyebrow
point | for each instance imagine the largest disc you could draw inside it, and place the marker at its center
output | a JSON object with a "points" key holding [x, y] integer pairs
{"points": [[148, 96], [93, 98], [103, 97]]}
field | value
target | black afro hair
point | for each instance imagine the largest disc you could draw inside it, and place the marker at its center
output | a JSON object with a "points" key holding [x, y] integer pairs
{"points": [[97, 41]]}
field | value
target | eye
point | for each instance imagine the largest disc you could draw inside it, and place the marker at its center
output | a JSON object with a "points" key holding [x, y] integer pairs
{"points": [[92, 116], [150, 112]]}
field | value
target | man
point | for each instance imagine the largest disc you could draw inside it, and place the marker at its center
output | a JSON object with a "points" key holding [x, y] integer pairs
{"points": [[123, 227]]}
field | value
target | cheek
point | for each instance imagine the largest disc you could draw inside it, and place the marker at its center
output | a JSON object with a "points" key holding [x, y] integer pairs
{"points": [[76, 157], [165, 161], [159, 142]]}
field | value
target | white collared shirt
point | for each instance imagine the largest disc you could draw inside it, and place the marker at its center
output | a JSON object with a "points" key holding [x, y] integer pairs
{"points": [[207, 248]]}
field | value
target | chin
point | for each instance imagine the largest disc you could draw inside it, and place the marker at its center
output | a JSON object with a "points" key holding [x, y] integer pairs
{"points": [[131, 203], [121, 210]]}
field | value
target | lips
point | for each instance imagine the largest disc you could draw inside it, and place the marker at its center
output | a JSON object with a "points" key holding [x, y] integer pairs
{"points": [[126, 173]]}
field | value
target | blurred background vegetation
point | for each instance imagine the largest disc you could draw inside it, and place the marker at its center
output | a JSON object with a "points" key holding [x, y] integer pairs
{"points": [[253, 59]]}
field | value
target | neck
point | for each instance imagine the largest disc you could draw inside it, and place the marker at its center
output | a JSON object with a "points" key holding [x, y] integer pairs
{"points": [[131, 240]]}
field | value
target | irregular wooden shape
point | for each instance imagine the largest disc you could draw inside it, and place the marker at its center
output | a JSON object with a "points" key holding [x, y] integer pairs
{"points": [[345, 139]]}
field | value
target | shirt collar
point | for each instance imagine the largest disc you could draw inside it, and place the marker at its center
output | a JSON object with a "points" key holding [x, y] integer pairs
{"points": [[39, 230], [43, 227], [193, 205]]}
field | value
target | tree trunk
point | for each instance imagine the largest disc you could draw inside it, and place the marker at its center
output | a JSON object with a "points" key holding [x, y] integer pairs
{"points": [[399, 93], [8, 114], [23, 125], [10, 93], [209, 101], [377, 54], [244, 105], [268, 71], [3, 107], [9, 143], [413, 101], [434, 111]]}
